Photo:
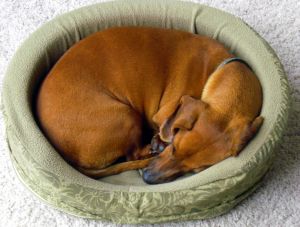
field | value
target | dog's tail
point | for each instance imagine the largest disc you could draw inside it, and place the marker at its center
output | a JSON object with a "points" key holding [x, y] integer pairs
{"points": [[116, 169]]}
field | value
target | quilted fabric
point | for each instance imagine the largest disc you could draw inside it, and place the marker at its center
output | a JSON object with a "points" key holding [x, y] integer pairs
{"points": [[125, 198]]}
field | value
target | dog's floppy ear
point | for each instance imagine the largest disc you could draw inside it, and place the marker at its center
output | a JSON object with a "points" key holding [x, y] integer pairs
{"points": [[241, 135], [175, 116]]}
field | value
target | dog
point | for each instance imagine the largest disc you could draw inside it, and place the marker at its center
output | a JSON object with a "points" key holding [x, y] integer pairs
{"points": [[167, 101]]}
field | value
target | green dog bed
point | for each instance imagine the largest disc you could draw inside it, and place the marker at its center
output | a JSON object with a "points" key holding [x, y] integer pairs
{"points": [[125, 198]]}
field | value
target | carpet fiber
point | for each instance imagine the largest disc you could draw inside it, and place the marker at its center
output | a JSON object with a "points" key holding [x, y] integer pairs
{"points": [[275, 203]]}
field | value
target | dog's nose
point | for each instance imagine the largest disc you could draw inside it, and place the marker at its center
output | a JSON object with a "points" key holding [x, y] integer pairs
{"points": [[148, 177]]}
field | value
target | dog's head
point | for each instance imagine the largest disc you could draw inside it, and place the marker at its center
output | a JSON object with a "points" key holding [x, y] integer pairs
{"points": [[196, 138]]}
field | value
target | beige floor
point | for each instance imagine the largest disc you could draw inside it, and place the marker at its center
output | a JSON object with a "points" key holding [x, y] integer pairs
{"points": [[276, 203]]}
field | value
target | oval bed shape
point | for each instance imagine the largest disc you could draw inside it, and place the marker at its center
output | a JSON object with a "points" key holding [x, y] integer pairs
{"points": [[125, 198]]}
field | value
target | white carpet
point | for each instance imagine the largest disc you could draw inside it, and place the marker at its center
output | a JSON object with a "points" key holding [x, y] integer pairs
{"points": [[276, 203]]}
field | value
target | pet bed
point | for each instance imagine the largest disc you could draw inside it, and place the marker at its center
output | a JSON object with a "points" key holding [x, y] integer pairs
{"points": [[125, 198]]}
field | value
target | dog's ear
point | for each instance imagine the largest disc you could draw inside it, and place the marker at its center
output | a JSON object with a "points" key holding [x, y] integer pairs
{"points": [[243, 133], [165, 112], [172, 118]]}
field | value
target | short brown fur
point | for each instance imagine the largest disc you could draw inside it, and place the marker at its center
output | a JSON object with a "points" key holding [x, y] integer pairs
{"points": [[95, 101]]}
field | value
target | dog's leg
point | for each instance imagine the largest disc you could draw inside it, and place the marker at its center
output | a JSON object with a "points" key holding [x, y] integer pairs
{"points": [[116, 169]]}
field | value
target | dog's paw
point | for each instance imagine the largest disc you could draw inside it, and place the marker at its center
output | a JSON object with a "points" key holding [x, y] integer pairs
{"points": [[157, 145]]}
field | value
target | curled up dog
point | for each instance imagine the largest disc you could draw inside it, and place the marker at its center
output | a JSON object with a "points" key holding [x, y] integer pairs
{"points": [[168, 101]]}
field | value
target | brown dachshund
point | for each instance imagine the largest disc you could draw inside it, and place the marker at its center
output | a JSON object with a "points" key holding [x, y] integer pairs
{"points": [[111, 92]]}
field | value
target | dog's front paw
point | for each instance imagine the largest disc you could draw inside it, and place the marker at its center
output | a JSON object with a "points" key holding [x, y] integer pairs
{"points": [[157, 145]]}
